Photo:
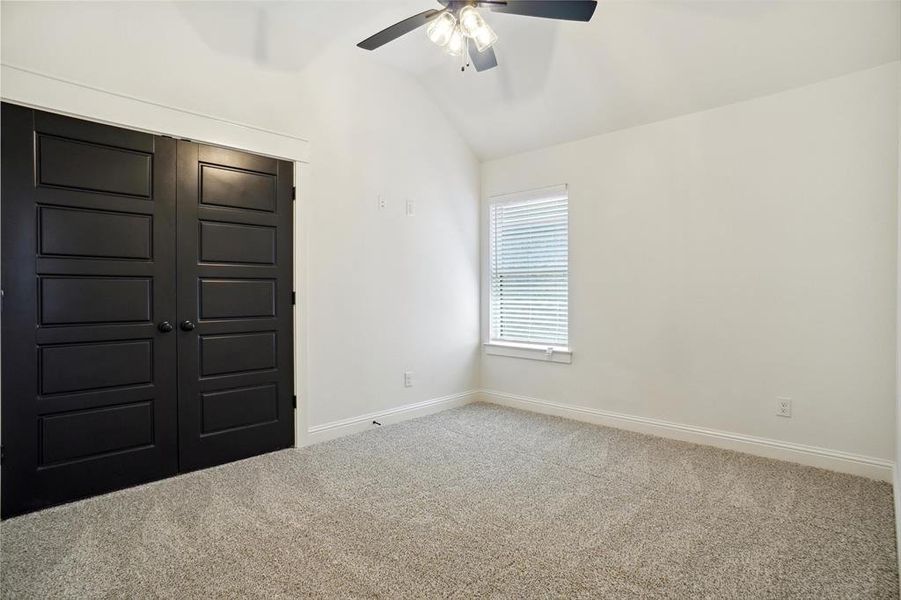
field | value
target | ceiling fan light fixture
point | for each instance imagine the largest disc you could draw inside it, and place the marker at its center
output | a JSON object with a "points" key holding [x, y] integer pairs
{"points": [[456, 43], [456, 22], [470, 21], [485, 37], [441, 29]]}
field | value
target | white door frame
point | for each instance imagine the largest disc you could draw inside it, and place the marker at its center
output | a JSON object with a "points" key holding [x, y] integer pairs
{"points": [[54, 94]]}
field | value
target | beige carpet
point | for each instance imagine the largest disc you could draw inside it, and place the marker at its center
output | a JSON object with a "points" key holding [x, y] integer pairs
{"points": [[475, 502]]}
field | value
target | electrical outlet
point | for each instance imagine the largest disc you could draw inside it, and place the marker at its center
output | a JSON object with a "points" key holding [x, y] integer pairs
{"points": [[408, 378], [383, 202], [411, 208], [784, 407]]}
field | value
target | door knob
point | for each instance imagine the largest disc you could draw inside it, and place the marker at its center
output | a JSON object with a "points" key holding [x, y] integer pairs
{"points": [[164, 327], [187, 325]]}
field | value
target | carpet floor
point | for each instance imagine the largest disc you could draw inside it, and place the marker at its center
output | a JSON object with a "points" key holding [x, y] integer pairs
{"points": [[479, 501]]}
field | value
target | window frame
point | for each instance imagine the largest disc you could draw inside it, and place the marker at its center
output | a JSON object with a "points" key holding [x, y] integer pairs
{"points": [[495, 347]]}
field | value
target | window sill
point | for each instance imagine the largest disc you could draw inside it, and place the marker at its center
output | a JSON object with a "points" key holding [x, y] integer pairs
{"points": [[528, 351]]}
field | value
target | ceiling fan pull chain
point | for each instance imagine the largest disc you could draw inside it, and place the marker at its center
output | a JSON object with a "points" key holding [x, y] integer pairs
{"points": [[464, 56]]}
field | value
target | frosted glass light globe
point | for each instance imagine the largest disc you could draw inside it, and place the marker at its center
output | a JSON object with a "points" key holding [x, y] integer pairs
{"points": [[441, 28], [485, 37], [470, 21], [457, 42]]}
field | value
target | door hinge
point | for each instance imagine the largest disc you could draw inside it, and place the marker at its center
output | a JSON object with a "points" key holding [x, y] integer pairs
{"points": [[2, 454], [293, 192], [293, 298], [294, 401]]}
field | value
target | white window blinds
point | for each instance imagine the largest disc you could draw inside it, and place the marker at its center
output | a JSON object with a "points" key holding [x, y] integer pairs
{"points": [[529, 267]]}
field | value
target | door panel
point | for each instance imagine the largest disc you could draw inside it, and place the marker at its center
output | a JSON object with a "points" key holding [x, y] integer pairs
{"points": [[73, 232], [88, 263], [234, 243], [78, 300], [74, 435], [237, 298], [237, 353], [84, 166], [239, 407], [92, 366], [237, 188], [234, 285]]}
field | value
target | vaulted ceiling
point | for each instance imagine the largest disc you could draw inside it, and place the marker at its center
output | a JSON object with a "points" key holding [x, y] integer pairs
{"points": [[636, 62]]}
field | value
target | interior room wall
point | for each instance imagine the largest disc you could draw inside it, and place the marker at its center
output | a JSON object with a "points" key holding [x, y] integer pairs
{"points": [[724, 259], [384, 292], [388, 291]]}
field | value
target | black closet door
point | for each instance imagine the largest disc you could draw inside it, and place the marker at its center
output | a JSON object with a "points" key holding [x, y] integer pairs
{"points": [[234, 305], [88, 276]]}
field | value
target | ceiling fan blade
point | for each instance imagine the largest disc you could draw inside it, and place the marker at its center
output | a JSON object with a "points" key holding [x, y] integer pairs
{"points": [[398, 29], [567, 10], [482, 61]]}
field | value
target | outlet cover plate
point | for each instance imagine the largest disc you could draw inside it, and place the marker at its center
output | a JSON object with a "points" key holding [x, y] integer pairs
{"points": [[784, 407]]}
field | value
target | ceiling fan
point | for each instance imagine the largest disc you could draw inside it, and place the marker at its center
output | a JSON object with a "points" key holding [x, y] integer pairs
{"points": [[461, 30]]}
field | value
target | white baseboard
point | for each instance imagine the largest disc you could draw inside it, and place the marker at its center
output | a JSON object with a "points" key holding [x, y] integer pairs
{"points": [[336, 429], [824, 458]]}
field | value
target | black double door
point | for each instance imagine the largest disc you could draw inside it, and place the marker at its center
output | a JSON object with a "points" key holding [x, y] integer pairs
{"points": [[146, 309]]}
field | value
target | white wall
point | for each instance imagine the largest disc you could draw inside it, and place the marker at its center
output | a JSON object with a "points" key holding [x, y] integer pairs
{"points": [[388, 292], [725, 258], [383, 292]]}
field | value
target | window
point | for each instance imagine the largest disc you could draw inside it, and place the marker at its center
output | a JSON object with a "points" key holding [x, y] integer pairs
{"points": [[529, 270]]}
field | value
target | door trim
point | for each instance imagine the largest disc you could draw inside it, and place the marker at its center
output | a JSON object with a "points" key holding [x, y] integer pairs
{"points": [[41, 91], [71, 98]]}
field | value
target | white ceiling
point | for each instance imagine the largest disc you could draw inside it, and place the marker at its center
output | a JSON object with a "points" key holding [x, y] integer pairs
{"points": [[638, 62], [635, 63]]}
